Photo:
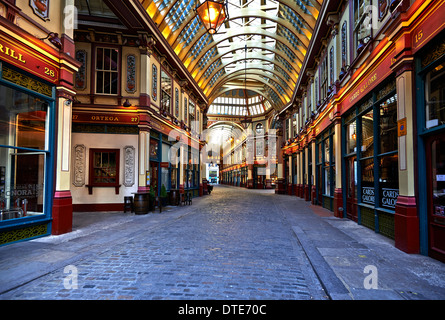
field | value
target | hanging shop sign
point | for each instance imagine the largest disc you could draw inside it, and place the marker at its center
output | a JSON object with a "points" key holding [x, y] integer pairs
{"points": [[26, 59], [106, 118]]}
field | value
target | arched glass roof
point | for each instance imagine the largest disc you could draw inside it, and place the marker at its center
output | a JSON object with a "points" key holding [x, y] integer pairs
{"points": [[260, 48]]}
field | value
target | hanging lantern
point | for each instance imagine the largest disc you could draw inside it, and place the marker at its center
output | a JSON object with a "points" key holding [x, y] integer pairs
{"points": [[212, 14]]}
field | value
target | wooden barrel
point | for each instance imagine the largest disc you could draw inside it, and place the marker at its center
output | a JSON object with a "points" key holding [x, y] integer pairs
{"points": [[141, 203]]}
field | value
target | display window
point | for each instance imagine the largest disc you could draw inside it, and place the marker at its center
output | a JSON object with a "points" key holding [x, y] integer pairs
{"points": [[325, 171], [371, 146], [25, 155]]}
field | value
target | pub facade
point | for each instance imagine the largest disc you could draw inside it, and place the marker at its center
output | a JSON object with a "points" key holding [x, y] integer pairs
{"points": [[36, 94], [137, 116]]}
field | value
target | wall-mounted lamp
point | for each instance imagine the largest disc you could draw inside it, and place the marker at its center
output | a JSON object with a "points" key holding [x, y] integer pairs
{"points": [[54, 39], [127, 104]]}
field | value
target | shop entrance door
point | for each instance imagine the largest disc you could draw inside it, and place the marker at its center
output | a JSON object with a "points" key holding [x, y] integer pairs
{"points": [[154, 176], [435, 158], [351, 188]]}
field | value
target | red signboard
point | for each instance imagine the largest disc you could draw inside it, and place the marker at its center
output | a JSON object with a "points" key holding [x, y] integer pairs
{"points": [[28, 60], [106, 118], [374, 76], [429, 27]]}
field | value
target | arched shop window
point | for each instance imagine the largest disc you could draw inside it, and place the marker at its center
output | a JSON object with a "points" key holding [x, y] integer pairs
{"points": [[26, 133]]}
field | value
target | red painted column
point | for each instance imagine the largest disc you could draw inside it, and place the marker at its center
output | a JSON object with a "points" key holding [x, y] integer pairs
{"points": [[62, 212], [313, 194], [406, 225], [338, 203]]}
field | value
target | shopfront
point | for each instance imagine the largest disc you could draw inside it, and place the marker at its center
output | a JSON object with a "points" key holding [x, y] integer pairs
{"points": [[371, 159], [191, 171], [104, 163], [325, 168], [27, 112], [430, 82]]}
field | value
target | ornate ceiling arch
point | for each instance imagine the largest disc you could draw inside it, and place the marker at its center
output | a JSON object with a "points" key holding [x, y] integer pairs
{"points": [[276, 33]]}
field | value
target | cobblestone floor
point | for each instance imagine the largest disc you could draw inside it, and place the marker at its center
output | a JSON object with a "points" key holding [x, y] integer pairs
{"points": [[233, 244]]}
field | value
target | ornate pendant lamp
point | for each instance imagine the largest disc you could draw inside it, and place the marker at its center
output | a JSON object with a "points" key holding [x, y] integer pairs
{"points": [[212, 14]]}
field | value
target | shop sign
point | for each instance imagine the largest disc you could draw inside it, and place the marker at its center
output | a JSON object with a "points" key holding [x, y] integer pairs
{"points": [[428, 28], [401, 125], [25, 59], [389, 197], [105, 118], [368, 195], [365, 86], [40, 8]]}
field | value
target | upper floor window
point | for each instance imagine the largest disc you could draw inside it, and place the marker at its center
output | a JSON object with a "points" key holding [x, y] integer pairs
{"points": [[192, 115], [185, 110], [324, 78], [331, 66], [362, 31], [166, 91], [344, 45], [154, 82], [107, 74], [176, 103]]}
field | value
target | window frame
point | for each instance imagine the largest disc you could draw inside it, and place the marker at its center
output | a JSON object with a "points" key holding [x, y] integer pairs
{"points": [[165, 107], [117, 71], [91, 174]]}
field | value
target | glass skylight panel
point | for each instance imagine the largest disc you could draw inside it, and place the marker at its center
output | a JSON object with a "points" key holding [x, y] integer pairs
{"points": [[187, 35], [303, 5], [290, 15], [207, 56], [179, 12], [209, 71], [286, 33], [215, 77], [162, 4], [202, 42], [284, 62]]}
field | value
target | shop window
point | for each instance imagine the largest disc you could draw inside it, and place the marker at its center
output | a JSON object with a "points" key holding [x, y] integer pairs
{"points": [[388, 181], [435, 96], [104, 168], [351, 138], [107, 74], [24, 154], [154, 145], [367, 148], [166, 91], [388, 124]]}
